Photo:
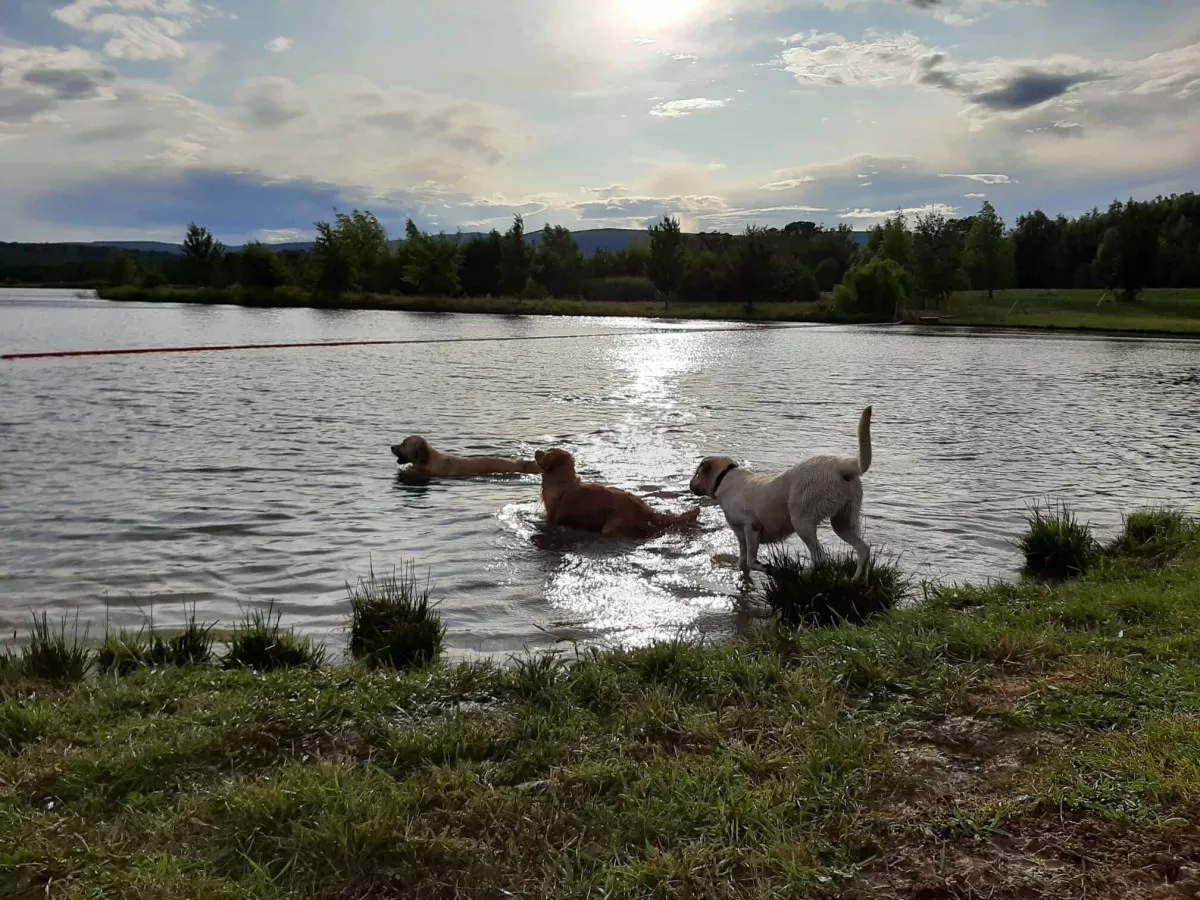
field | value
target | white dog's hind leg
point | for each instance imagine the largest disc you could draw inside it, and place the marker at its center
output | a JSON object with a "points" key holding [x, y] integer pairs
{"points": [[845, 524], [807, 532]]}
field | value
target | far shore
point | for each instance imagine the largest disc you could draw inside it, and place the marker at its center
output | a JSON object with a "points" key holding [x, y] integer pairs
{"points": [[1159, 312]]}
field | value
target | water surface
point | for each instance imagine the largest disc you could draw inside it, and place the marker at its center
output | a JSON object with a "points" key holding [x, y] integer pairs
{"points": [[228, 479]]}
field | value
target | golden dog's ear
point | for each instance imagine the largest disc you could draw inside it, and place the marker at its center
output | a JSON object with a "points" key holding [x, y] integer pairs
{"points": [[420, 451]]}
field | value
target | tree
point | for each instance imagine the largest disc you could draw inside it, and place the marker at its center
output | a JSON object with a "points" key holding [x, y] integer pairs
{"points": [[516, 259], [1037, 251], [879, 287], [259, 267], [1127, 256], [827, 274], [754, 266], [481, 260], [334, 266], [202, 255], [434, 262], [122, 270], [988, 255], [666, 262], [936, 252], [558, 263], [891, 240]]}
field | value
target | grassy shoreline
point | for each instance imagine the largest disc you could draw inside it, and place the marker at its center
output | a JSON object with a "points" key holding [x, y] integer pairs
{"points": [[1018, 740], [1165, 312]]}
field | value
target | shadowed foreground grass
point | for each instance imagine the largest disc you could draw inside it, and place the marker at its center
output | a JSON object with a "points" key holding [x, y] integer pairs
{"points": [[1020, 740]]}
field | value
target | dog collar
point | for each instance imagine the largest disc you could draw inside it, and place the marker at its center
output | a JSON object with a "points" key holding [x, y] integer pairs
{"points": [[717, 484]]}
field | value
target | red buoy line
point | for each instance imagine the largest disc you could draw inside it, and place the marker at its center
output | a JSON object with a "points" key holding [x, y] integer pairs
{"points": [[62, 354]]}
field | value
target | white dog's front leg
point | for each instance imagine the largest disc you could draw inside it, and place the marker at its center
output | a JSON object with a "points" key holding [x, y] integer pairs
{"points": [[752, 533]]}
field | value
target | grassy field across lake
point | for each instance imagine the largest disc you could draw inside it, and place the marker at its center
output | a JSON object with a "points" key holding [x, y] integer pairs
{"points": [[1161, 310], [1016, 741], [1157, 311]]}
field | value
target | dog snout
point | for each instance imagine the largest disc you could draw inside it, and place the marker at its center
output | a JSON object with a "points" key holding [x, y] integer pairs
{"points": [[398, 452]]}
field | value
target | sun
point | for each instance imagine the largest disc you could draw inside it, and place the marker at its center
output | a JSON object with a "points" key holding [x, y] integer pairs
{"points": [[651, 14]]}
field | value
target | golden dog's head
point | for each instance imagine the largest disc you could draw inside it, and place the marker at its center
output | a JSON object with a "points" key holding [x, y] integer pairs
{"points": [[413, 450], [711, 469], [555, 462]]}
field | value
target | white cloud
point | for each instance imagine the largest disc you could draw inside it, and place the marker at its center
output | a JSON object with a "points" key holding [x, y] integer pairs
{"points": [[875, 215], [279, 45], [675, 109], [272, 102], [788, 183], [975, 196], [281, 235], [982, 179], [832, 60], [139, 29]]}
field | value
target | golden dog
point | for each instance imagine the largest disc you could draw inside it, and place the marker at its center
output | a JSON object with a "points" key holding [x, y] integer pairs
{"points": [[427, 461], [596, 507]]}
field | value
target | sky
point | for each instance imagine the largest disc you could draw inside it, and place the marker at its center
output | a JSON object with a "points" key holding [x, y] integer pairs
{"points": [[128, 119]]}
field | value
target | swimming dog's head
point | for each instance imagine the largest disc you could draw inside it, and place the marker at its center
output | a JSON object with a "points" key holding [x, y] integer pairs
{"points": [[415, 450]]}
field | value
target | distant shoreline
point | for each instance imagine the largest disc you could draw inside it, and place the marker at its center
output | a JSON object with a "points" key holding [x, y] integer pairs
{"points": [[1160, 313]]}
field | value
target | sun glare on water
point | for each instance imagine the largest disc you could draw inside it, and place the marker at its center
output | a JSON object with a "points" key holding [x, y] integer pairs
{"points": [[652, 14]]}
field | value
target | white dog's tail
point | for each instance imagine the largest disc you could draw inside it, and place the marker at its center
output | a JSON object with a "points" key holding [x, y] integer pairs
{"points": [[864, 441]]}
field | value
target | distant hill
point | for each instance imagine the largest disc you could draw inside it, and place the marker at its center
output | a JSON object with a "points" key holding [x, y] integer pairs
{"points": [[590, 241]]}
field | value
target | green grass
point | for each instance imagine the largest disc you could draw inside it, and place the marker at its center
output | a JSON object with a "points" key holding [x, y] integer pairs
{"points": [[1017, 731], [1165, 310], [824, 595], [1156, 534], [53, 654], [1056, 544], [260, 643], [1158, 311], [392, 621]]}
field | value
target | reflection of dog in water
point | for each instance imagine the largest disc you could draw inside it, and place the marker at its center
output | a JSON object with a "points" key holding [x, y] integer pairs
{"points": [[427, 461], [596, 507]]}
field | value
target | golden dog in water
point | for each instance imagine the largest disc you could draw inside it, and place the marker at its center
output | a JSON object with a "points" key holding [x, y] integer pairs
{"points": [[596, 507], [425, 460]]}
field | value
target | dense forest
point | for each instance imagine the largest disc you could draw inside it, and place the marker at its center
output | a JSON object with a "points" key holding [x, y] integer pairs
{"points": [[1123, 250]]}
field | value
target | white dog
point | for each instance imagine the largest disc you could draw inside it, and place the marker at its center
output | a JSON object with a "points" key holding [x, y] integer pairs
{"points": [[764, 509]]}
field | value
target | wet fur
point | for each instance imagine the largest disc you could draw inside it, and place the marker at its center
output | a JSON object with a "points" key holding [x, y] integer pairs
{"points": [[425, 460], [766, 509], [595, 507]]}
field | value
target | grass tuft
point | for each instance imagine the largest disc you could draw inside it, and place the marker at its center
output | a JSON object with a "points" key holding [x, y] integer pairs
{"points": [[1154, 534], [259, 642], [124, 652], [52, 654], [826, 594], [392, 622], [1056, 545]]}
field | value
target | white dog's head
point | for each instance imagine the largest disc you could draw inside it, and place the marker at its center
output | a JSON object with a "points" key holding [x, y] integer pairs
{"points": [[709, 474]]}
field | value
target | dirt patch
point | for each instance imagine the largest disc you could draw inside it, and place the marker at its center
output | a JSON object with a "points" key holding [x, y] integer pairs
{"points": [[1039, 858]]}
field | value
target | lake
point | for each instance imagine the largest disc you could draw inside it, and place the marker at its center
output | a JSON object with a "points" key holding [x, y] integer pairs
{"points": [[225, 480]]}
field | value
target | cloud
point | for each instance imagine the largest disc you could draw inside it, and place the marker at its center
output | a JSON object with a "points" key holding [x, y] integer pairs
{"points": [[975, 196], [675, 109], [36, 80], [271, 102], [279, 45], [994, 86], [139, 29], [982, 179], [787, 183], [874, 214], [1029, 88]]}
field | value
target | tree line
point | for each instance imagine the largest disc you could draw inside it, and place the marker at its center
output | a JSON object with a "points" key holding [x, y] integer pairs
{"points": [[1128, 247]]}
